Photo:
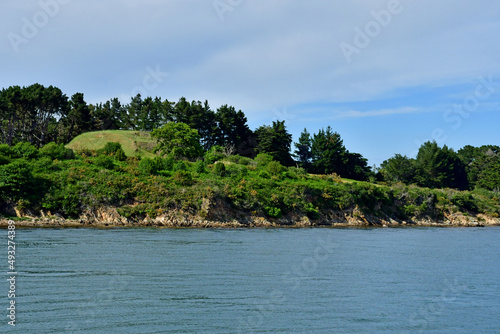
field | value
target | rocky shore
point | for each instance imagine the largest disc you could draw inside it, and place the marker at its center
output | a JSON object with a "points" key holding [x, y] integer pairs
{"points": [[109, 217]]}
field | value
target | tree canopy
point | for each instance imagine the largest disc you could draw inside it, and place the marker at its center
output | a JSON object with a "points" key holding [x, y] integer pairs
{"points": [[37, 115], [178, 140], [275, 141]]}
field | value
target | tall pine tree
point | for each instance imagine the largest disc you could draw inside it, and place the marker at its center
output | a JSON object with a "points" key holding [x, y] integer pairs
{"points": [[303, 152], [275, 141]]}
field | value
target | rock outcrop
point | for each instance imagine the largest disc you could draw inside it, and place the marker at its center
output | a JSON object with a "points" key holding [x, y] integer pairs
{"points": [[215, 216]]}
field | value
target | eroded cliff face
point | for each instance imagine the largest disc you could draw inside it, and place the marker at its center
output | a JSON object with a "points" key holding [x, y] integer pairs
{"points": [[218, 215]]}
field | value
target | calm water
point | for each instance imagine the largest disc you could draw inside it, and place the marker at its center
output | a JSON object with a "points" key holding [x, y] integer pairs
{"points": [[431, 280]]}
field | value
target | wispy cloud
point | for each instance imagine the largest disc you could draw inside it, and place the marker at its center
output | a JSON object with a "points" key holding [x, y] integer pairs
{"points": [[376, 113]]}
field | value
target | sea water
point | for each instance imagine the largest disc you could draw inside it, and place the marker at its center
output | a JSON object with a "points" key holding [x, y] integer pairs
{"points": [[393, 280]]}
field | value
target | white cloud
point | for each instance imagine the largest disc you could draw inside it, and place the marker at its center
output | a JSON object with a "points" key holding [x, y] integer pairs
{"points": [[263, 55]]}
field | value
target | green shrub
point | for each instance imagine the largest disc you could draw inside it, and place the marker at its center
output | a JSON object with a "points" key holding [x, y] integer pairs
{"points": [[233, 158], [274, 168], [150, 166], [464, 201], [59, 152], [169, 162], [4, 160], [297, 172], [263, 159], [264, 174], [68, 203], [311, 211], [24, 150], [220, 169], [120, 155], [104, 161], [111, 148], [245, 161], [410, 210], [273, 212], [180, 165], [200, 167], [5, 150], [215, 153], [85, 153], [235, 171], [183, 177], [16, 180]]}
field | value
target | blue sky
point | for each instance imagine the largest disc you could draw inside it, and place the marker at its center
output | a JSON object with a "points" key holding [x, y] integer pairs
{"points": [[387, 75]]}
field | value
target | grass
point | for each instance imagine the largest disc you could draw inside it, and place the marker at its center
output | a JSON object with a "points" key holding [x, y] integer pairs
{"points": [[133, 142]]}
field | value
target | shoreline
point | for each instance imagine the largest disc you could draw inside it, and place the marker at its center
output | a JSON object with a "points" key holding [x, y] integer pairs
{"points": [[341, 221]]}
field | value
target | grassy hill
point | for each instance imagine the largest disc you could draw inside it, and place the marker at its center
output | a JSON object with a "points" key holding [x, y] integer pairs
{"points": [[133, 142]]}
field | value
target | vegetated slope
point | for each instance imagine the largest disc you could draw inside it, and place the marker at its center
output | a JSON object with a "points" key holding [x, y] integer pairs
{"points": [[133, 142], [232, 191]]}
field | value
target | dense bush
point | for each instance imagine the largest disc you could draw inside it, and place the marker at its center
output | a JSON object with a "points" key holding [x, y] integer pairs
{"points": [[183, 177], [150, 166], [115, 150], [220, 169], [55, 151], [180, 165], [215, 153], [111, 148], [274, 168], [263, 159], [104, 162], [273, 212], [68, 186], [200, 167], [5, 150], [16, 180], [23, 150], [464, 201], [4, 160]]}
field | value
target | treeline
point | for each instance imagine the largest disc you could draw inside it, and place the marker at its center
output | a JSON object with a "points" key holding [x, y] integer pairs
{"points": [[442, 167], [40, 115]]}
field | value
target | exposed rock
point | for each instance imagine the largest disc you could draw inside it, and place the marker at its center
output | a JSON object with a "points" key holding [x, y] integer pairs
{"points": [[215, 215]]}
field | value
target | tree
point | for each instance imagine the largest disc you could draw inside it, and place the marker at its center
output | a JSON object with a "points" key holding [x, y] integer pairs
{"points": [[109, 116], [328, 153], [477, 160], [303, 150], [356, 167], [232, 130], [489, 177], [178, 140], [440, 167], [134, 110], [78, 120], [27, 112], [399, 169], [276, 141], [198, 116]]}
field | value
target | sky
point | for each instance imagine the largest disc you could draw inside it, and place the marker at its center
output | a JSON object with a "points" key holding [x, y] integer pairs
{"points": [[386, 75]]}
